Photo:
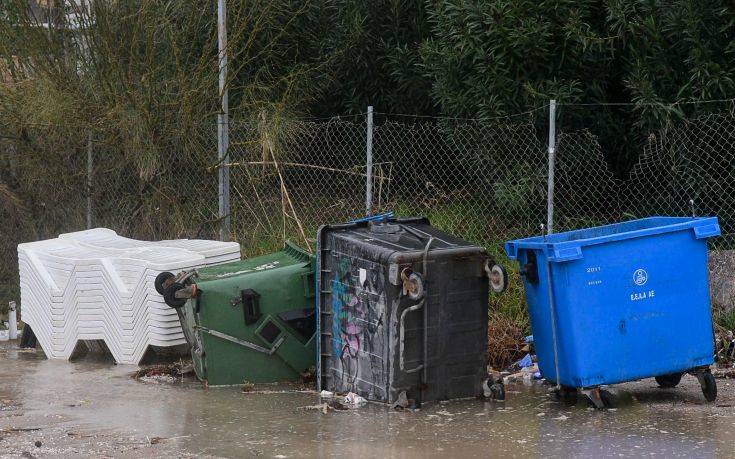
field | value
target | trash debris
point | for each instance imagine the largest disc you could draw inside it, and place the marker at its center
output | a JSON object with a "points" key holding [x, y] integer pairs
{"points": [[525, 362], [526, 376], [157, 440], [168, 373], [528, 346], [401, 402], [75, 405], [354, 400], [323, 407], [20, 429], [167, 379], [337, 402], [38, 443], [725, 347], [247, 386]]}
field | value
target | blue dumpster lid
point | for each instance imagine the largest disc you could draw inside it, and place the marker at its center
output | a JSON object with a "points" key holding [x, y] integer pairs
{"points": [[568, 245]]}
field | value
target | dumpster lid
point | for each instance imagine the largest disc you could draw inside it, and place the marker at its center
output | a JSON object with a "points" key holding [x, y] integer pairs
{"points": [[568, 245], [289, 256]]}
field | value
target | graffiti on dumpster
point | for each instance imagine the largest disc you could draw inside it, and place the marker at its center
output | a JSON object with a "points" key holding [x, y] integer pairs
{"points": [[358, 307]]}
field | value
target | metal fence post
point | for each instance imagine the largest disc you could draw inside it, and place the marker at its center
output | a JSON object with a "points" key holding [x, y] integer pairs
{"points": [[223, 124], [89, 180], [552, 164], [369, 158]]}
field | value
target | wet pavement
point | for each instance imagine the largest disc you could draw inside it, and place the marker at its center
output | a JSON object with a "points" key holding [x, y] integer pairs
{"points": [[94, 408]]}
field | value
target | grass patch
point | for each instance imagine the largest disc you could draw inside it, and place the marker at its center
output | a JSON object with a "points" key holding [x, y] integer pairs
{"points": [[725, 319]]}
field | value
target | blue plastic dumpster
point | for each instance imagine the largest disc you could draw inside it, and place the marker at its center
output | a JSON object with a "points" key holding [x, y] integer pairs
{"points": [[620, 302]]}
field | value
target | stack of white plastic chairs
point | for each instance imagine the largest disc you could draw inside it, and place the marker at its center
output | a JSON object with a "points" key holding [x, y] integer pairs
{"points": [[95, 285]]}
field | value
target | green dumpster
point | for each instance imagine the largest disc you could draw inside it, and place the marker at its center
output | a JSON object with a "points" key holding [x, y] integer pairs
{"points": [[251, 320]]}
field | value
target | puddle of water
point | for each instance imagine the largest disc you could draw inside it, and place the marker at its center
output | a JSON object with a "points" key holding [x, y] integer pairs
{"points": [[226, 422]]}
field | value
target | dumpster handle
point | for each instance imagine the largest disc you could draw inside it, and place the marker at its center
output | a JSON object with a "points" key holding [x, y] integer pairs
{"points": [[552, 310], [426, 312], [402, 332], [244, 343]]}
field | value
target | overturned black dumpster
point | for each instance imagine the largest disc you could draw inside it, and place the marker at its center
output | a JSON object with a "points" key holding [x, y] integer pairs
{"points": [[402, 310]]}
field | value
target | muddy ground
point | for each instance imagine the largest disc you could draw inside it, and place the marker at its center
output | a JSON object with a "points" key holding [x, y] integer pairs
{"points": [[94, 408]]}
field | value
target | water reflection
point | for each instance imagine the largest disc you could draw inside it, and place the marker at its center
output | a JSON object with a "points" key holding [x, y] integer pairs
{"points": [[226, 422]]}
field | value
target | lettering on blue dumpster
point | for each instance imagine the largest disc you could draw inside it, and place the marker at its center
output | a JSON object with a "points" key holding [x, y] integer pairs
{"points": [[642, 295], [593, 270]]}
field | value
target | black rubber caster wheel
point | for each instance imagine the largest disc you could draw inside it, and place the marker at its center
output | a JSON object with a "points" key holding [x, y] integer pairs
{"points": [[601, 398], [668, 381], [709, 386], [609, 399], [498, 278], [498, 391], [169, 296], [566, 395], [161, 280]]}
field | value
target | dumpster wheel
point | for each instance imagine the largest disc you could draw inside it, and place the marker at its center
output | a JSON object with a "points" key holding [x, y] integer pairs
{"points": [[566, 395], [668, 381], [161, 280], [497, 392], [709, 385], [169, 296], [601, 398]]}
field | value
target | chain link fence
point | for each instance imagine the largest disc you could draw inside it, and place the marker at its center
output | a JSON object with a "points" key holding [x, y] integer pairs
{"points": [[685, 168], [289, 177], [483, 180]]}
